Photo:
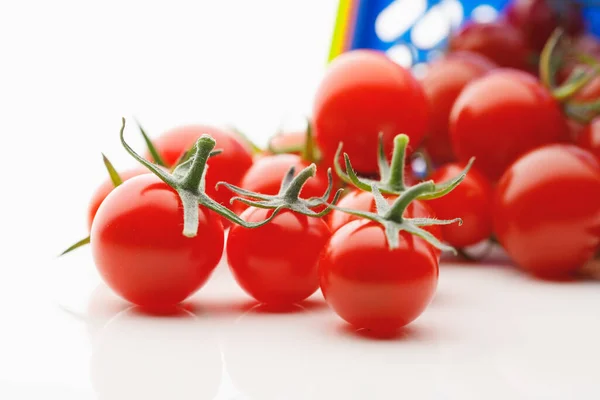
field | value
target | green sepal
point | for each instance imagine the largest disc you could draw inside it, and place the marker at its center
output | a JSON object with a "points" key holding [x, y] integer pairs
{"points": [[289, 194], [188, 180], [112, 172], [392, 175], [392, 219], [77, 245], [156, 158]]}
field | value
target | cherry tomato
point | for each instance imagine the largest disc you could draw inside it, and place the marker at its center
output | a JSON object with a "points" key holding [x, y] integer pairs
{"points": [[547, 210], [445, 79], [471, 201], [140, 251], [589, 138], [362, 94], [107, 187], [294, 140], [364, 201], [501, 116], [266, 174], [277, 262], [500, 42], [372, 286], [229, 166], [537, 19]]}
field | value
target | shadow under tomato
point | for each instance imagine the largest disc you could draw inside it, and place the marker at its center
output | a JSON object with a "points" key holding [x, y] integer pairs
{"points": [[278, 309], [314, 304], [172, 311], [405, 333]]}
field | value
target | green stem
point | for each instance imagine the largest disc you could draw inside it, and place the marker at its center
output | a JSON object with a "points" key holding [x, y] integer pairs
{"points": [[191, 181], [396, 212], [292, 192], [396, 180], [112, 172], [308, 153]]}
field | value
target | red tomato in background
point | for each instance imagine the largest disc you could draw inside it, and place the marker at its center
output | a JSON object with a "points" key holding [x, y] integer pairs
{"points": [[364, 201], [547, 210], [277, 263], [107, 187], [266, 174], [501, 116], [295, 140], [362, 94], [445, 79], [372, 286], [229, 166], [500, 42], [537, 19], [471, 201], [589, 138], [140, 251]]}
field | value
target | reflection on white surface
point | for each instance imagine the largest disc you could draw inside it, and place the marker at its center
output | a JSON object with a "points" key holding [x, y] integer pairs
{"points": [[140, 356]]}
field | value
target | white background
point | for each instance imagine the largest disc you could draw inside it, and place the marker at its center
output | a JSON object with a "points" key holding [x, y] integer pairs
{"points": [[68, 71]]}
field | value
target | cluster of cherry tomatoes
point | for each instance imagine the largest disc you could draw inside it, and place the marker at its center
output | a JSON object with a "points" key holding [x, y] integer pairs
{"points": [[370, 235]]}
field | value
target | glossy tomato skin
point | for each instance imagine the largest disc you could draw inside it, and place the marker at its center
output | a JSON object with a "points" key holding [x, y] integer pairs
{"points": [[547, 210], [471, 201], [139, 249], [589, 138], [444, 81], [537, 19], [229, 166], [501, 116], [105, 188], [362, 94], [364, 201], [277, 263], [267, 172], [371, 286], [500, 42]]}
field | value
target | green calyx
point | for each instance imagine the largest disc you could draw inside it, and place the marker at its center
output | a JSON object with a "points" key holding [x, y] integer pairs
{"points": [[556, 54], [308, 150], [188, 180], [391, 217], [392, 179], [289, 194]]}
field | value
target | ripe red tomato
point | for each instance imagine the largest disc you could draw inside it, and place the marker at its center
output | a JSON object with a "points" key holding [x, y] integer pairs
{"points": [[294, 140], [537, 19], [266, 174], [501, 116], [362, 94], [372, 286], [444, 81], [471, 201], [138, 247], [589, 138], [105, 188], [277, 263], [547, 210], [229, 166], [364, 201], [500, 42]]}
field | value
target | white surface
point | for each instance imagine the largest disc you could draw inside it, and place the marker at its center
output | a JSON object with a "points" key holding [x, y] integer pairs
{"points": [[69, 71], [490, 333]]}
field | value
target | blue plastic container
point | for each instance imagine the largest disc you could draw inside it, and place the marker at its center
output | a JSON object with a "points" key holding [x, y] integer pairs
{"points": [[414, 31]]}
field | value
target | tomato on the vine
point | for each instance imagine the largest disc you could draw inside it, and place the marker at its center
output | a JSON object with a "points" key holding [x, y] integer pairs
{"points": [[547, 210], [500, 42], [445, 79], [277, 263], [471, 201], [265, 176], [589, 137], [229, 166], [140, 251], [288, 142], [501, 116], [364, 201], [105, 188], [362, 94], [372, 286], [537, 19]]}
